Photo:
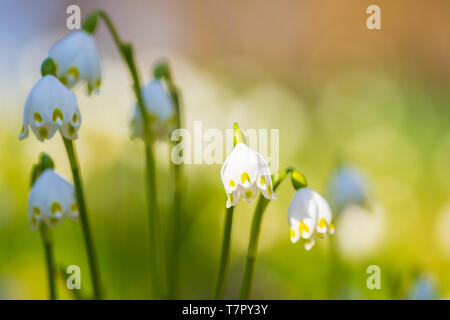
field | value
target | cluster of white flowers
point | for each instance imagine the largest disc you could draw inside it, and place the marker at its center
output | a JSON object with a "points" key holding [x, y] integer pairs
{"points": [[51, 106], [51, 200], [245, 171]]}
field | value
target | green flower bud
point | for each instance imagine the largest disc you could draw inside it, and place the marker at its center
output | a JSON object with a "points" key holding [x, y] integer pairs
{"points": [[161, 70], [90, 23], [45, 162], [238, 136], [298, 180], [48, 67]]}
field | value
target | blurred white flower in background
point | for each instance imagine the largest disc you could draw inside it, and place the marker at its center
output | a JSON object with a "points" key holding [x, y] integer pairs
{"points": [[348, 186], [309, 216], [360, 230], [160, 109], [51, 200], [77, 59]]}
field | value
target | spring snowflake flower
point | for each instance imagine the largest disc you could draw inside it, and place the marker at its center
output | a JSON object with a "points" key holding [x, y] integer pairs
{"points": [[347, 186], [160, 109], [77, 59], [309, 216], [51, 106], [244, 172], [52, 198]]}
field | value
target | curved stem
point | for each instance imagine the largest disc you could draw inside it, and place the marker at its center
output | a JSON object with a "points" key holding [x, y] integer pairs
{"points": [[157, 261], [92, 257], [224, 258], [254, 237], [47, 241]]}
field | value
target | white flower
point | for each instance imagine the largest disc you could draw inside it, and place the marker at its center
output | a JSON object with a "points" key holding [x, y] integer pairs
{"points": [[361, 231], [309, 216], [51, 106], [347, 186], [160, 109], [77, 59], [243, 173], [51, 199]]}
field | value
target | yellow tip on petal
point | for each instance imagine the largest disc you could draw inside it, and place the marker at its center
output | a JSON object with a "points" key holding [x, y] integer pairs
{"points": [[43, 133], [303, 227], [322, 223], [263, 181], [291, 233], [57, 114], [55, 207], [74, 72], [245, 177], [36, 211], [74, 207], [38, 117]]}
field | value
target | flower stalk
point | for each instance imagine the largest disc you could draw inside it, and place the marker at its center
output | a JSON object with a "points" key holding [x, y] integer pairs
{"points": [[89, 242], [162, 71], [225, 255], [157, 262], [45, 162], [47, 242], [254, 237]]}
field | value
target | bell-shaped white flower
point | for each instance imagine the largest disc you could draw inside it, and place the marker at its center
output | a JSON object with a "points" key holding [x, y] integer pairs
{"points": [[244, 172], [347, 186], [51, 200], [309, 216], [160, 110], [51, 106], [77, 59]]}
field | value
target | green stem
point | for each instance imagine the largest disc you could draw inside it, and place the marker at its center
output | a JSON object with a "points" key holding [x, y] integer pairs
{"points": [[47, 241], [157, 263], [254, 237], [179, 187], [225, 255], [92, 257], [333, 270], [176, 233]]}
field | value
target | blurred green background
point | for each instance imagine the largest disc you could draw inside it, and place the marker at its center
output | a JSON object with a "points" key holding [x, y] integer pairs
{"points": [[336, 90]]}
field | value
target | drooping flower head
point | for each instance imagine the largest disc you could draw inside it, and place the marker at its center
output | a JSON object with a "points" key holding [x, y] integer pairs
{"points": [[77, 60], [51, 199], [50, 106], [244, 172], [309, 216], [160, 109], [347, 186]]}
